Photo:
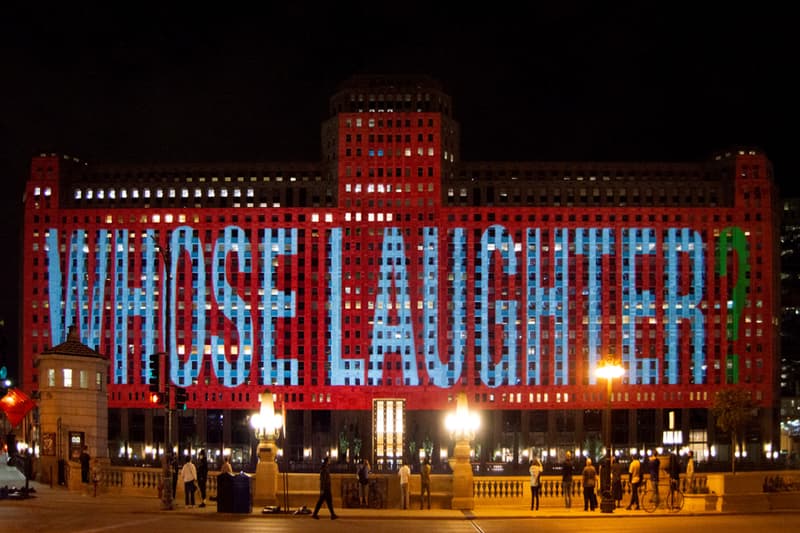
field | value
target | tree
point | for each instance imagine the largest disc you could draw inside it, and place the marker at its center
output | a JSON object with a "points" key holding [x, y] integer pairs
{"points": [[733, 408]]}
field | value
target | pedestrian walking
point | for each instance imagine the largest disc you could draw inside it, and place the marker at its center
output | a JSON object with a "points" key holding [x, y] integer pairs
{"points": [[536, 475], [405, 477], [325, 494], [202, 476]]}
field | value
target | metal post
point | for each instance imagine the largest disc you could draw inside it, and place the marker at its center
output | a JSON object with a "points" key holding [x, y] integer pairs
{"points": [[167, 495], [607, 502]]}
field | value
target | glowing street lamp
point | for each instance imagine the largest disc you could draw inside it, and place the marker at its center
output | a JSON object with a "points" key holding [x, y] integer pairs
{"points": [[462, 426], [608, 371], [266, 424]]}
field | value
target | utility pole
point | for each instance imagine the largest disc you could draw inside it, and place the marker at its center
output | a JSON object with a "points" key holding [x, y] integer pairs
{"points": [[166, 260]]}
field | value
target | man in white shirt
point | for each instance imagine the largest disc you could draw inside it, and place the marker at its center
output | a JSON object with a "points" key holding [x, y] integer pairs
{"points": [[405, 475]]}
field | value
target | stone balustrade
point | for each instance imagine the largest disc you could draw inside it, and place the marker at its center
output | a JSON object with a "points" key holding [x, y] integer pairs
{"points": [[712, 492]]}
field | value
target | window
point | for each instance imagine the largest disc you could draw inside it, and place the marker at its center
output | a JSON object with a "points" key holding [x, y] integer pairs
{"points": [[67, 377]]}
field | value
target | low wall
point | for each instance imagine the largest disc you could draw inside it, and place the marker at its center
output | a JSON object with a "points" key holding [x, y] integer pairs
{"points": [[719, 492]]}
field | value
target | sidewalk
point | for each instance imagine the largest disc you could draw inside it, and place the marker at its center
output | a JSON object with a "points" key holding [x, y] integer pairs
{"points": [[146, 505]]}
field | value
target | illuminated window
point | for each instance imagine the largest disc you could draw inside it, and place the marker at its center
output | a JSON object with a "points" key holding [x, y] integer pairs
{"points": [[67, 377]]}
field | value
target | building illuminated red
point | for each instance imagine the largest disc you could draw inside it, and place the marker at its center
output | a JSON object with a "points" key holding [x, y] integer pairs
{"points": [[392, 268]]}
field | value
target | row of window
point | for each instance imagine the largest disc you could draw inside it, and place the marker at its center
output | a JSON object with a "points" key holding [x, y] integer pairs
{"points": [[398, 123]]}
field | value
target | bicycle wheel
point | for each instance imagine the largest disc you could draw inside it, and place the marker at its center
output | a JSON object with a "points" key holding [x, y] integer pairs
{"points": [[675, 501], [649, 500], [376, 500]]}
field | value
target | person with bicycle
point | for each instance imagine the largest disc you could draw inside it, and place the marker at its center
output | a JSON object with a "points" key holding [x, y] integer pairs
{"points": [[674, 477], [654, 466]]}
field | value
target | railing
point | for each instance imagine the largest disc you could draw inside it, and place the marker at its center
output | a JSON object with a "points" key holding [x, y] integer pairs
{"points": [[488, 491], [141, 481], [514, 491]]}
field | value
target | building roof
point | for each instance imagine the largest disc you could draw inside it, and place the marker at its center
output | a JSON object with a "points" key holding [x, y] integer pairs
{"points": [[73, 346]]}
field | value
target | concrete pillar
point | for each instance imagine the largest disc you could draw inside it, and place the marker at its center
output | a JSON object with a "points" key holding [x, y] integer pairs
{"points": [[266, 483], [462, 477]]}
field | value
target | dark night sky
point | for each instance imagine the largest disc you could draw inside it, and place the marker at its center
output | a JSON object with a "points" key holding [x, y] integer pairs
{"points": [[632, 82]]}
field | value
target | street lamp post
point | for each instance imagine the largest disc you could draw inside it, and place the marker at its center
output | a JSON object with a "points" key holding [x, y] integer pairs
{"points": [[166, 495], [608, 371], [462, 426], [266, 424]]}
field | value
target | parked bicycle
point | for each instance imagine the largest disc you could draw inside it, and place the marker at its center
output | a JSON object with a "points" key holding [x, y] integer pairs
{"points": [[374, 495], [651, 499]]}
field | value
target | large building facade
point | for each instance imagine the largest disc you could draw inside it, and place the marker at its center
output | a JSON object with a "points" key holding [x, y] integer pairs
{"points": [[394, 270]]}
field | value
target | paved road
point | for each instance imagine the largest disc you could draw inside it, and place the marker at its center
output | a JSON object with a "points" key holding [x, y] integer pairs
{"points": [[59, 510]]}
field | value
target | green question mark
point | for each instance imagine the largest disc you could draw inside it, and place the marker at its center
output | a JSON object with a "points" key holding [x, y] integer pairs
{"points": [[739, 245]]}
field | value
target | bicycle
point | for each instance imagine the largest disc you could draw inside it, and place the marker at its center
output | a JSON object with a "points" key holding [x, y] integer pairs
{"points": [[651, 500], [374, 495]]}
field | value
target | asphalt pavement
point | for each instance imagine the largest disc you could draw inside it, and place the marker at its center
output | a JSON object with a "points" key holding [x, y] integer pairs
{"points": [[60, 496]]}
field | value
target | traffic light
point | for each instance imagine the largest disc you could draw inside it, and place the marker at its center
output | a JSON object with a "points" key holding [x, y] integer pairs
{"points": [[180, 398], [154, 372], [157, 399]]}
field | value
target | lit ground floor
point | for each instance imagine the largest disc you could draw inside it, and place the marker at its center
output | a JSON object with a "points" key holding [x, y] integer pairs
{"points": [[503, 444]]}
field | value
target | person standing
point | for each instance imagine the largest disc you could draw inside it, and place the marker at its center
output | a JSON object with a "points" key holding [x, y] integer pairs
{"points": [[425, 483], [654, 467], [86, 461], [690, 472], [635, 472], [566, 480], [174, 464], [616, 481], [589, 486], [536, 474], [202, 476], [405, 477], [226, 466], [189, 478], [325, 494], [363, 482]]}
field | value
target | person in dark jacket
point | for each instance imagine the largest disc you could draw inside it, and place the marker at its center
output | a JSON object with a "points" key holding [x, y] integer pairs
{"points": [[202, 475], [566, 480], [85, 463], [616, 480], [589, 486], [325, 494]]}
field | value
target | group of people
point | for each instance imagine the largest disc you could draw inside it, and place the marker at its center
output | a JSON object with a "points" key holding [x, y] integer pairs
{"points": [[193, 476], [363, 473], [589, 478]]}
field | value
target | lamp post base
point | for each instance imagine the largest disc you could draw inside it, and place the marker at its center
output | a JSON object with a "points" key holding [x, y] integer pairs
{"points": [[607, 503]]}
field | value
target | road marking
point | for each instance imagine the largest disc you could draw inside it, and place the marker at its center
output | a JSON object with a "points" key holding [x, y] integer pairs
{"points": [[476, 527], [120, 525]]}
